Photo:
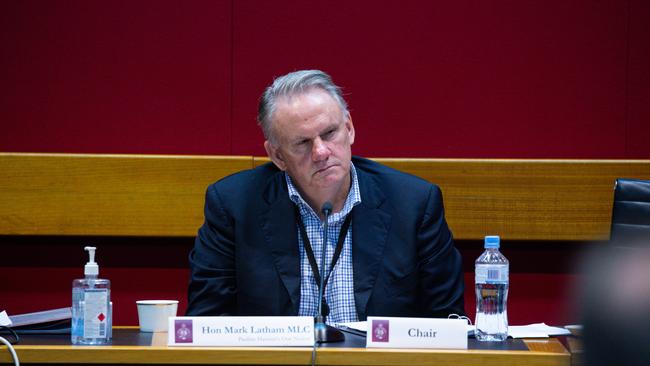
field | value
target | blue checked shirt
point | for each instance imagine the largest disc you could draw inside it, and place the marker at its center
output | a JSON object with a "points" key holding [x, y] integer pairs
{"points": [[339, 291]]}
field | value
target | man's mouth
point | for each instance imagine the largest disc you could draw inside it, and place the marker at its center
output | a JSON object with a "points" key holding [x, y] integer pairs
{"points": [[324, 169]]}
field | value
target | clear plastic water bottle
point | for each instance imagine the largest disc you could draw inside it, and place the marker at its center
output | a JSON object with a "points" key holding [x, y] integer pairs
{"points": [[491, 278]]}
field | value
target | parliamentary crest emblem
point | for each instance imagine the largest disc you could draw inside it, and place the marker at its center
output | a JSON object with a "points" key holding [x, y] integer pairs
{"points": [[183, 331], [380, 330]]}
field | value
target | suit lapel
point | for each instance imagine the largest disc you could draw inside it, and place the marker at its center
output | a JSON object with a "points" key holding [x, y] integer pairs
{"points": [[279, 227], [370, 226]]}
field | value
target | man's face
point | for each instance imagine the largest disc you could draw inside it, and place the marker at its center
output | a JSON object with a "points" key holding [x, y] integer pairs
{"points": [[313, 140]]}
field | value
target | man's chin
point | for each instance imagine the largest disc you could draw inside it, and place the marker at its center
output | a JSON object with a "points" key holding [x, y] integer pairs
{"points": [[330, 178]]}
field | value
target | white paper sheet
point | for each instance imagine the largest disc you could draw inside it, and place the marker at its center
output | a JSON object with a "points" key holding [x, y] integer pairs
{"points": [[537, 330], [4, 319]]}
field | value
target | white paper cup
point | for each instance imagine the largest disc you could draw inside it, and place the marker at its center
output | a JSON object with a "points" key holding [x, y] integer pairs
{"points": [[153, 315]]}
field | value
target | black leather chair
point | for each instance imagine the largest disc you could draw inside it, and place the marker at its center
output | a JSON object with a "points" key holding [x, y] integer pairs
{"points": [[631, 212]]}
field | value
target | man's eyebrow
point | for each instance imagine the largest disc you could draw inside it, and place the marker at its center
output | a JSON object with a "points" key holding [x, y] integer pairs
{"points": [[330, 127], [300, 138], [326, 129]]}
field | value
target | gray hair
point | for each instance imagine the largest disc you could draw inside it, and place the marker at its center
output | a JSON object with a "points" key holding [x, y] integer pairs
{"points": [[295, 83]]}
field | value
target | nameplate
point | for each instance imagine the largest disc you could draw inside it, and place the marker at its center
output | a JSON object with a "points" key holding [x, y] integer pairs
{"points": [[387, 332], [241, 331]]}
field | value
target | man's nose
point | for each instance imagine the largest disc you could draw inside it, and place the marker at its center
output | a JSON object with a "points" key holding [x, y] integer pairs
{"points": [[319, 150]]}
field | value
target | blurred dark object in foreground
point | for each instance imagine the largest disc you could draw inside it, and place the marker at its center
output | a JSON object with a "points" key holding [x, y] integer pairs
{"points": [[615, 304]]}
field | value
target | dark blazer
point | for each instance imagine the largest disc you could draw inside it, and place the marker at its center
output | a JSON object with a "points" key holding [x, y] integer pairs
{"points": [[245, 259]]}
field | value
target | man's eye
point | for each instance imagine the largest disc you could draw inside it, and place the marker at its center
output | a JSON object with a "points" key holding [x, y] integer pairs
{"points": [[329, 133]]}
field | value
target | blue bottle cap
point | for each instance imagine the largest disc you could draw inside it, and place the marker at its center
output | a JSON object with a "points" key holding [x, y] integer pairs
{"points": [[492, 241]]}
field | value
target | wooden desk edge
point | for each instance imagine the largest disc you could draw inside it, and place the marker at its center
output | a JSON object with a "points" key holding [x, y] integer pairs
{"points": [[546, 352]]}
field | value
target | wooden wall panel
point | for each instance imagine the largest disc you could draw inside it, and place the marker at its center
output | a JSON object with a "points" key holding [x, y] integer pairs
{"points": [[524, 199], [137, 195], [527, 199], [62, 194]]}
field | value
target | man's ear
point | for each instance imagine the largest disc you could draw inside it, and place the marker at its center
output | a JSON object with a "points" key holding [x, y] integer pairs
{"points": [[350, 129], [275, 155]]}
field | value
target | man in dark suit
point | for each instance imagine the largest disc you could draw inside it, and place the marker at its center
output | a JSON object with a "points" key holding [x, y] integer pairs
{"points": [[389, 251]]}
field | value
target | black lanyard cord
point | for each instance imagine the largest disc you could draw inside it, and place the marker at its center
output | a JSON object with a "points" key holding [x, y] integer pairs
{"points": [[310, 252]]}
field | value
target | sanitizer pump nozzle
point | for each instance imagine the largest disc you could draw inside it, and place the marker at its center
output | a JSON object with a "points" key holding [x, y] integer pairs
{"points": [[91, 268]]}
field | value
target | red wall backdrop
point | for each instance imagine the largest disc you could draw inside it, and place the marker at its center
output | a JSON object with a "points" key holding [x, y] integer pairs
{"points": [[544, 79], [483, 79]]}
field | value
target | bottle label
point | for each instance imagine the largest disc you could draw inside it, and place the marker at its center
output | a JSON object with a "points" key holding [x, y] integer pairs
{"points": [[491, 274], [95, 313]]}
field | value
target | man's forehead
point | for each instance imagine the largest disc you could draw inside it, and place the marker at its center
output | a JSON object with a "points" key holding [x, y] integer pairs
{"points": [[298, 116], [305, 101]]}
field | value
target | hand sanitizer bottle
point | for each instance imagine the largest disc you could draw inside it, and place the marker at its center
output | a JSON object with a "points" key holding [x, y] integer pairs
{"points": [[91, 306]]}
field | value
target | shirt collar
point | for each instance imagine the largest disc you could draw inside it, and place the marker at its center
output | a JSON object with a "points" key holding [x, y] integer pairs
{"points": [[353, 199]]}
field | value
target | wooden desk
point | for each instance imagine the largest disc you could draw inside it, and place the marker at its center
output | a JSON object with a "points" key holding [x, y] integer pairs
{"points": [[577, 351], [132, 347]]}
